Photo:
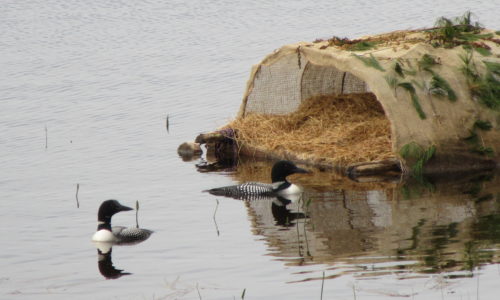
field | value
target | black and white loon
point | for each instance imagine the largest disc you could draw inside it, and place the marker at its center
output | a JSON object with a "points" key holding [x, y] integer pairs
{"points": [[279, 186], [116, 234]]}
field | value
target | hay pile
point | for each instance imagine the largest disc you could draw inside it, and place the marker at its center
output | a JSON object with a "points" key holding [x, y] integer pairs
{"points": [[341, 129]]}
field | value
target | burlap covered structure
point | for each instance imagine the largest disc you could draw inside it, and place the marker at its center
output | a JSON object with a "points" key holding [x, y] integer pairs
{"points": [[283, 79]]}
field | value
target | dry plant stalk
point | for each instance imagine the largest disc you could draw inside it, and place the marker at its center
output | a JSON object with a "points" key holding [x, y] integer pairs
{"points": [[341, 130]]}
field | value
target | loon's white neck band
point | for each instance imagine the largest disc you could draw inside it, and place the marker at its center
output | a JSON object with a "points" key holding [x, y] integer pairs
{"points": [[277, 184]]}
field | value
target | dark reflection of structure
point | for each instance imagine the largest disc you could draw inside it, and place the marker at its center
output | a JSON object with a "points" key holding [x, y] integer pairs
{"points": [[426, 225], [429, 225]]}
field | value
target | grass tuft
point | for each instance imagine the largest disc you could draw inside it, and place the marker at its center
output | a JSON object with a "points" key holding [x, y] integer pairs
{"points": [[414, 98], [483, 125], [427, 62], [370, 62], [441, 87], [399, 70], [420, 156]]}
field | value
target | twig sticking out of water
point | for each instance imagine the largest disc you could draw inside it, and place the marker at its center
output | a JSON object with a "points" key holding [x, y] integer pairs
{"points": [[243, 294], [46, 137], [354, 291], [477, 289], [137, 213], [77, 189], [167, 124], [199, 295], [216, 227], [322, 284]]}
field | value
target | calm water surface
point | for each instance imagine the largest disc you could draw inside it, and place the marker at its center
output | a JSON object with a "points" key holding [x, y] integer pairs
{"points": [[85, 88]]}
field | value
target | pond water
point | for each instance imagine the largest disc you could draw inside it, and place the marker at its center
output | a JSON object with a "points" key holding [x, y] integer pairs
{"points": [[85, 90]]}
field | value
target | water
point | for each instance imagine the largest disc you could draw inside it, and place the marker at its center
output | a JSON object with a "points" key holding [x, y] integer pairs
{"points": [[85, 88]]}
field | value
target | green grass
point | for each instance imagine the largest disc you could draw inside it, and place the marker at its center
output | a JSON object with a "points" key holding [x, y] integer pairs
{"points": [[414, 98], [483, 51], [363, 46], [483, 125], [476, 142], [487, 88], [472, 37], [440, 87], [370, 62], [420, 156], [427, 62], [391, 81], [456, 31], [399, 70]]}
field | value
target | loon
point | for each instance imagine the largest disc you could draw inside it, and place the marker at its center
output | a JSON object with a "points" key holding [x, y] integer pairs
{"points": [[279, 186], [116, 234]]}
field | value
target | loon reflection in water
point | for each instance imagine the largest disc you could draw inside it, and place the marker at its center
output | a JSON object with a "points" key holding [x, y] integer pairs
{"points": [[283, 216], [105, 263]]}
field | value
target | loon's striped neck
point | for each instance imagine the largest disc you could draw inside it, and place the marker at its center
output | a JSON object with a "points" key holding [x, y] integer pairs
{"points": [[103, 225], [280, 185]]}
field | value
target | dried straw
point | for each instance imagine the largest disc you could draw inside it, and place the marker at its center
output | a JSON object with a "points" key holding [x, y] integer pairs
{"points": [[334, 129]]}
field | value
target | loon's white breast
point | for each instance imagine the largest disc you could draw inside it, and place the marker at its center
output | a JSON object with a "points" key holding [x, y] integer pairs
{"points": [[292, 189], [121, 234], [104, 235]]}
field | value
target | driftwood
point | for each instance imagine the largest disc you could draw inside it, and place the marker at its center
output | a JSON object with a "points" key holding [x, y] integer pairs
{"points": [[210, 137]]}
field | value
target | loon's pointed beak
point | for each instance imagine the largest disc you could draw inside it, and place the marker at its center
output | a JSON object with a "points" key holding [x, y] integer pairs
{"points": [[300, 170], [125, 208]]}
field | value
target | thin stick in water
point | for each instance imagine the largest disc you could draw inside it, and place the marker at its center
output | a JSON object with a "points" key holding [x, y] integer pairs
{"points": [[243, 294], [199, 295], [77, 189], [322, 284], [215, 221], [477, 289], [136, 214], [167, 124]]}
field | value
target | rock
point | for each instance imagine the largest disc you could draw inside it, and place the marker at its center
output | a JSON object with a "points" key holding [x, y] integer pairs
{"points": [[188, 150]]}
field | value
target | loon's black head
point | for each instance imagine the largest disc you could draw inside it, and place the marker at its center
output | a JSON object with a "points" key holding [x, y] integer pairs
{"points": [[108, 208], [283, 168]]}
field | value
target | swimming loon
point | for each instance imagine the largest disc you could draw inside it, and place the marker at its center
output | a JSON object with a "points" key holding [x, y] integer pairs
{"points": [[279, 186], [116, 234]]}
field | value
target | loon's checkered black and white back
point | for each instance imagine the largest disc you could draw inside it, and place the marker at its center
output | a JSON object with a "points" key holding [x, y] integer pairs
{"points": [[244, 191], [130, 235]]}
